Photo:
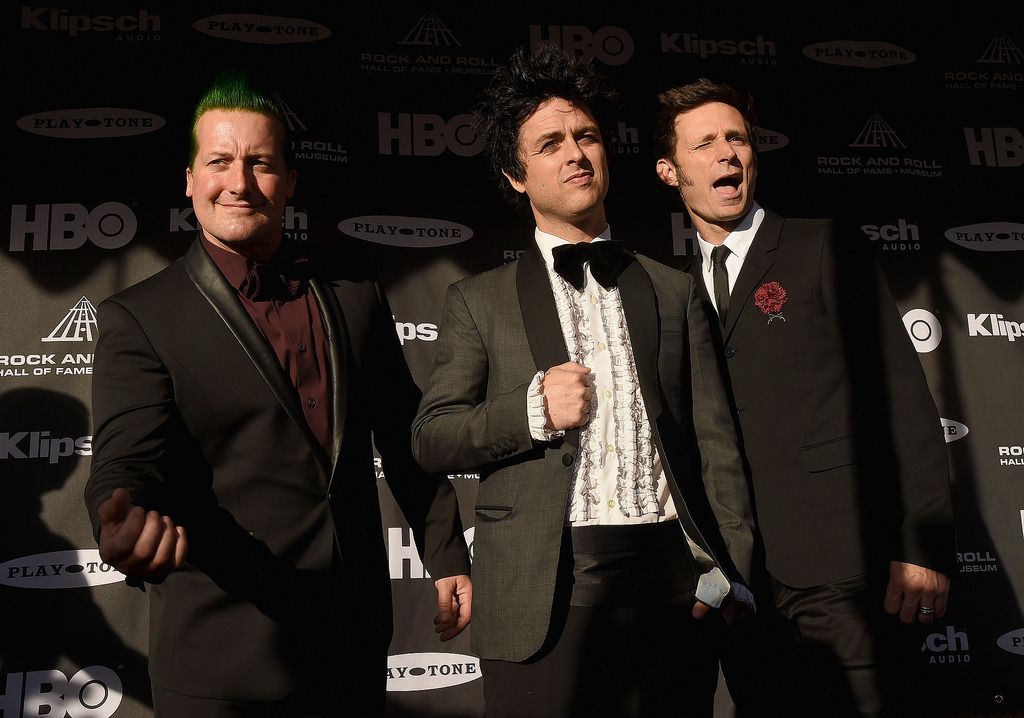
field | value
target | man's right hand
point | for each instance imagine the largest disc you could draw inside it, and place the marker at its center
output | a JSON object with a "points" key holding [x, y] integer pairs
{"points": [[567, 392], [139, 543]]}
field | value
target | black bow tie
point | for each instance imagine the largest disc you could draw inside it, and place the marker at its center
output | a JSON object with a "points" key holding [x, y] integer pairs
{"points": [[280, 278], [605, 262]]}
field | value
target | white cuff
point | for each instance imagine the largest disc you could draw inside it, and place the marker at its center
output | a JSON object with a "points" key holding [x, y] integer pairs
{"points": [[535, 411]]}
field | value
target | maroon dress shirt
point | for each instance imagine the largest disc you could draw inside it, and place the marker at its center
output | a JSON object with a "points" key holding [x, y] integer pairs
{"points": [[291, 324]]}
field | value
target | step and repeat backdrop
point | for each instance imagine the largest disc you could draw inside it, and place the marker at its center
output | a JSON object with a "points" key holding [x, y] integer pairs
{"points": [[906, 128]]}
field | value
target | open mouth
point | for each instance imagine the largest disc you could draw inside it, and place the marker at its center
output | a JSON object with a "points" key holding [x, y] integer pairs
{"points": [[732, 182]]}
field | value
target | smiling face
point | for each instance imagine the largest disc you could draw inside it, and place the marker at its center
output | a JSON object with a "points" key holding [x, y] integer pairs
{"points": [[714, 167], [239, 182], [566, 171]]}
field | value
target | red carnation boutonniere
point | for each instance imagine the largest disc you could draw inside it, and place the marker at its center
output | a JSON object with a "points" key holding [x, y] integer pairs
{"points": [[769, 298]]}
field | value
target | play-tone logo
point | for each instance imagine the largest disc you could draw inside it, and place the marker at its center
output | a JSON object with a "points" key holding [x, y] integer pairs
{"points": [[1012, 641], [988, 236], [91, 122], [768, 140], [869, 54], [405, 231], [93, 692], [59, 569], [924, 329], [262, 29], [953, 430], [429, 671]]}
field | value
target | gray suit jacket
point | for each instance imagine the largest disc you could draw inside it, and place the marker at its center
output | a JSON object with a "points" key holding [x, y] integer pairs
{"points": [[497, 330]]}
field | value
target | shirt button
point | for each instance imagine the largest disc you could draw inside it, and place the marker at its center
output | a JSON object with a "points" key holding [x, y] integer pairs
{"points": [[302, 347], [729, 352], [310, 402], [602, 346], [593, 300], [607, 394], [566, 459], [611, 448], [611, 503]]}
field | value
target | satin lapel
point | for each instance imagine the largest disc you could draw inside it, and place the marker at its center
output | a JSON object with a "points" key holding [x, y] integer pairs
{"points": [[338, 352], [640, 306], [540, 317], [222, 297], [758, 261]]}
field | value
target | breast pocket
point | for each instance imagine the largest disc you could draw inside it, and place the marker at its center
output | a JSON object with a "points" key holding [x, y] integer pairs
{"points": [[831, 454]]}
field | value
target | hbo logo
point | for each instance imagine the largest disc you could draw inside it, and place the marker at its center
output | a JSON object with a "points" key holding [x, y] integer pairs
{"points": [[93, 692], [111, 225]]}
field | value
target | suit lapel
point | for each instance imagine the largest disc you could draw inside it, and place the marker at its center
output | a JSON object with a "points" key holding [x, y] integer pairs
{"points": [[640, 306], [540, 317], [758, 261], [339, 349], [224, 300]]}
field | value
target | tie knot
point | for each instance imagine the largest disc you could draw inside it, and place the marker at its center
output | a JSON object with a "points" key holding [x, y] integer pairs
{"points": [[719, 254], [605, 260]]}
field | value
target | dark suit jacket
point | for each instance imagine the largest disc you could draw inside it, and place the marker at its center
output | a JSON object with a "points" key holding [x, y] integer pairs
{"points": [[497, 330], [843, 440], [194, 414]]}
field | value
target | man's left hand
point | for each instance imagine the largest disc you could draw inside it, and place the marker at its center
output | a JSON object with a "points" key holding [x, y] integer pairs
{"points": [[454, 605], [913, 590]]}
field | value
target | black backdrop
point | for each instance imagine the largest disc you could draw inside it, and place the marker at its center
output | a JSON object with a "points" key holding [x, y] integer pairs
{"points": [[905, 127]]}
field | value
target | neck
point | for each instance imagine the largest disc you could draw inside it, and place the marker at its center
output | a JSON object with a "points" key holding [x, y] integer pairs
{"points": [[258, 249], [583, 230]]}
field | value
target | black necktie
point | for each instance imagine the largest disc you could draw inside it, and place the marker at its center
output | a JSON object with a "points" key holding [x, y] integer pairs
{"points": [[721, 276], [605, 262]]}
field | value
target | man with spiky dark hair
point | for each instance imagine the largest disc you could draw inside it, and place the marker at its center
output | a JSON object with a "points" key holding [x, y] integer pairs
{"points": [[234, 397], [612, 519]]}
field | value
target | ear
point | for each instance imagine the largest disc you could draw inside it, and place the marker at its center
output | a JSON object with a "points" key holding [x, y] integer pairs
{"points": [[188, 181], [667, 173], [516, 184]]}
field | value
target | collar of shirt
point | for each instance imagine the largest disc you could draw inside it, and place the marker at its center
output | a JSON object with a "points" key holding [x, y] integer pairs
{"points": [[738, 240], [547, 242]]}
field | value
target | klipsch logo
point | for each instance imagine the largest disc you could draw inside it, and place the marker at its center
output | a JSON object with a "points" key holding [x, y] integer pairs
{"points": [[293, 223], [262, 29], [429, 671], [948, 647], [91, 122], [93, 692], [141, 26], [405, 231], [756, 51], [992, 325], [40, 445], [869, 54], [59, 569], [900, 237]]}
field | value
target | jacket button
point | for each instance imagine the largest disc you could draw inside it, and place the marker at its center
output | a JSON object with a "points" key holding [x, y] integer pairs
{"points": [[729, 351], [566, 459]]}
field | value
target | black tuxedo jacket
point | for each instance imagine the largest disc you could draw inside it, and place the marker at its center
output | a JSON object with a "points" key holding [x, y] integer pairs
{"points": [[194, 414], [848, 464], [497, 330]]}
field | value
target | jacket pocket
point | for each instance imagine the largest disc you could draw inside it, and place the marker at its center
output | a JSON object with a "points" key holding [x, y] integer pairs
{"points": [[841, 451], [492, 513]]}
